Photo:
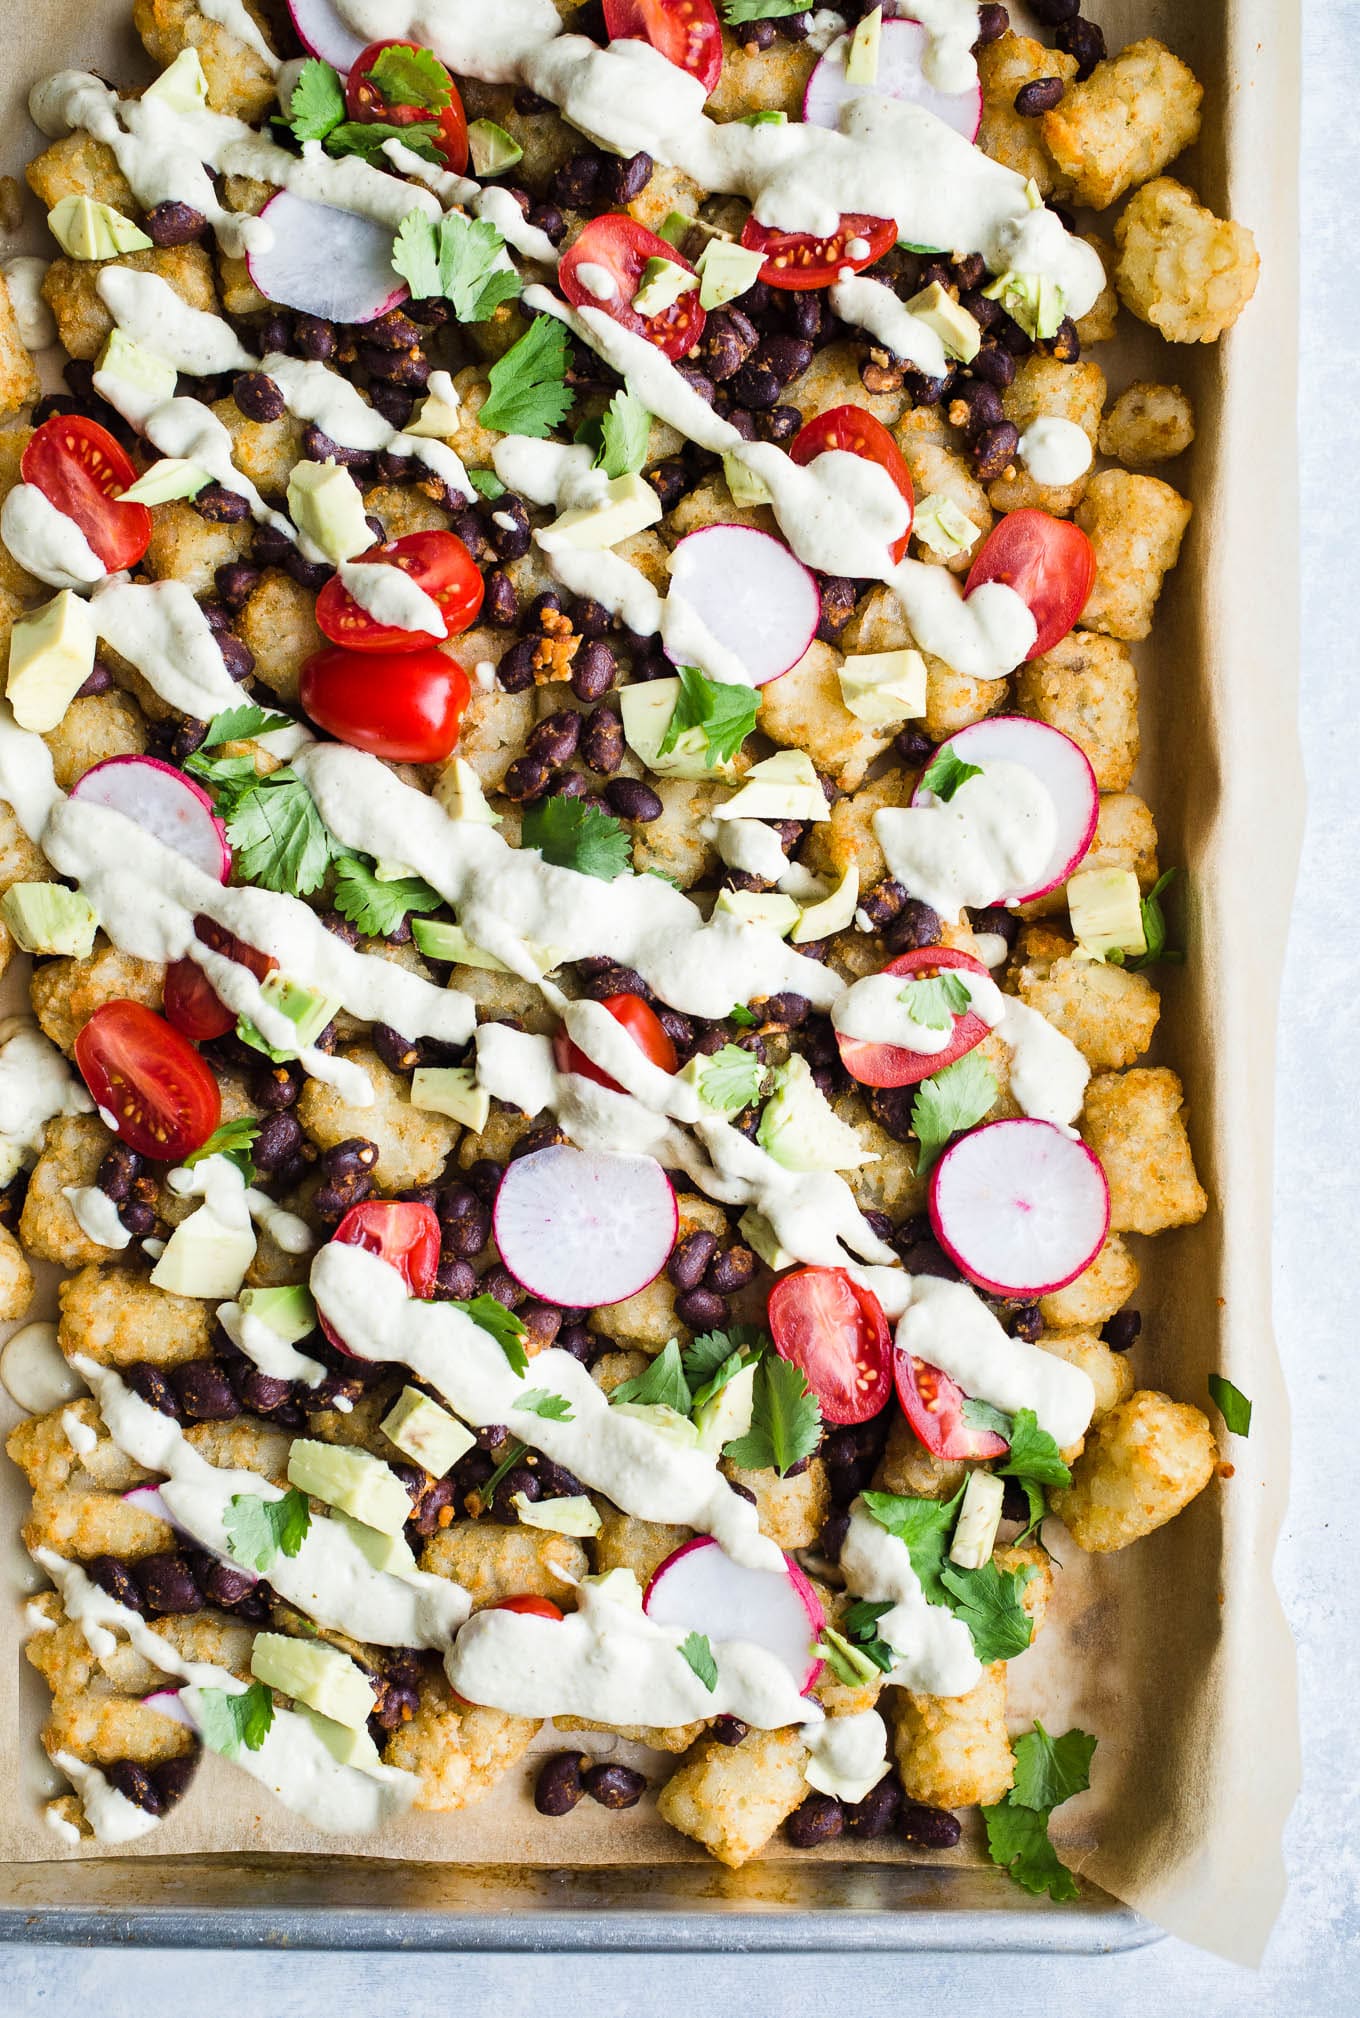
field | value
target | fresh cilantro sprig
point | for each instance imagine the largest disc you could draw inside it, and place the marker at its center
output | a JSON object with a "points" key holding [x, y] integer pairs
{"points": [[377, 908], [936, 1001], [947, 772], [529, 393], [786, 1420], [849, 1664], [731, 1079], [552, 1407], [412, 77], [228, 1719], [277, 833], [619, 437], [948, 1101], [987, 1600], [486, 484], [698, 1652], [404, 77], [317, 104], [662, 1385], [1048, 1771], [735, 12], [501, 1324], [1033, 1453], [725, 715], [925, 1526], [234, 1140], [1154, 930], [861, 1626], [739, 1013], [455, 258], [717, 1357], [1231, 1404], [240, 725], [259, 1529], [572, 835]]}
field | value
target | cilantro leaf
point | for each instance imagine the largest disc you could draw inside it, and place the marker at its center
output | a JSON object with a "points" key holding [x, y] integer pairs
{"points": [[529, 393], [1033, 1452], [663, 1383], [552, 1407], [502, 1324], [279, 837], [485, 1493], [365, 138], [1017, 1839], [711, 1349], [747, 1018], [458, 258], [257, 1529], [948, 1101], [378, 908], [229, 1719], [862, 1617], [412, 77], [317, 105], [947, 772], [731, 1079], [234, 1140], [984, 1415], [736, 11], [786, 1420], [229, 779], [925, 1525], [988, 1602], [934, 1003], [1231, 1403], [725, 715], [486, 483], [1154, 929], [572, 835], [238, 725], [624, 428], [728, 1371], [699, 1654], [1049, 1771]]}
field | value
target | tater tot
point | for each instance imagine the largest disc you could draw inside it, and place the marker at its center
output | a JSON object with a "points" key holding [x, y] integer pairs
{"points": [[1188, 273], [1135, 524], [953, 1751], [1141, 1465], [732, 1798], [1135, 1123]]}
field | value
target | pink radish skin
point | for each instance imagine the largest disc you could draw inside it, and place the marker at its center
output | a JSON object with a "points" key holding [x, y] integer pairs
{"points": [[321, 30], [164, 803], [147, 1500], [1020, 1207], [901, 47], [583, 1229], [325, 262], [701, 1588], [753, 594], [1059, 764], [166, 1703]]}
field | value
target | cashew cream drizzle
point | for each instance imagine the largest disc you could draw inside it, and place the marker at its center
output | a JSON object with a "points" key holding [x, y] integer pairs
{"points": [[36, 1084], [96, 1215], [995, 835], [262, 1344], [1055, 451], [24, 275], [847, 1756], [46, 542]]}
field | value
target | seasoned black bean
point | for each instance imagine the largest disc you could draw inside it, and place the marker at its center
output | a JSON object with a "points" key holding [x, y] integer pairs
{"points": [[1041, 94], [516, 669], [1027, 1323], [171, 223], [1014, 1501], [501, 1284], [837, 593], [542, 1321], [237, 657], [166, 1585], [794, 27], [701, 1309], [277, 1088], [396, 404], [929, 1828], [779, 423], [133, 1781], [697, 381], [97, 682], [257, 397], [1053, 13], [915, 925], [204, 1391], [220, 506], [527, 779], [1120, 1331], [593, 671], [398, 1053], [623, 181], [1065, 343], [576, 184], [914, 747], [508, 527], [151, 1384], [731, 1269], [876, 1813], [485, 1178], [755, 36], [835, 1528], [614, 1786], [1086, 41], [467, 1235], [819, 1820], [455, 1279], [632, 800], [729, 339], [278, 1142], [313, 338], [975, 406], [548, 219], [312, 575], [269, 547], [117, 1172], [262, 1393], [116, 1578], [728, 1730], [554, 739], [756, 385], [788, 357], [236, 582], [559, 1786], [995, 448], [501, 606], [690, 1257]]}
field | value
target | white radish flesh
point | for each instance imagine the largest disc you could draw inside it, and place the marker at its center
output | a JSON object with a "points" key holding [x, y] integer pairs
{"points": [[754, 596], [1021, 1207], [325, 262], [1062, 768], [701, 1589], [321, 30], [147, 1500], [583, 1229], [166, 1703], [164, 803], [901, 52]]}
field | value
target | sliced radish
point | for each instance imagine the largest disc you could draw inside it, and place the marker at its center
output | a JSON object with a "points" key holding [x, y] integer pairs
{"points": [[321, 29], [163, 802], [582, 1229], [703, 1590], [325, 262], [1020, 1207], [147, 1499], [753, 595], [166, 1703], [1060, 765], [901, 49]]}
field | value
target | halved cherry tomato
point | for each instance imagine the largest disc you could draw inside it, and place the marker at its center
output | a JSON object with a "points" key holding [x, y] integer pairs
{"points": [[933, 1405], [191, 1002], [855, 431], [534, 1608], [402, 1233], [822, 1320], [620, 248], [437, 562], [796, 259], [79, 467], [405, 706], [686, 32], [1049, 563], [366, 102], [164, 1101], [643, 1026], [893, 1064]]}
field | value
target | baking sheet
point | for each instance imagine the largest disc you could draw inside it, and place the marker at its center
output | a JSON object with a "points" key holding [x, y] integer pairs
{"points": [[1174, 1652]]}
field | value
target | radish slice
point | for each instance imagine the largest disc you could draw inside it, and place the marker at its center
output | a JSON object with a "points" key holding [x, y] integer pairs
{"points": [[901, 48], [582, 1229], [753, 595], [1021, 1207], [147, 1500], [163, 802], [1059, 764], [703, 1590], [166, 1703], [325, 262], [321, 30]]}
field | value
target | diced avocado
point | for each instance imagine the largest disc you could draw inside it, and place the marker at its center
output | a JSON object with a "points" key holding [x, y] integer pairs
{"points": [[87, 229], [327, 507], [748, 489], [172, 477], [437, 420], [799, 1129], [1032, 300], [205, 1257], [304, 1007], [459, 792], [667, 1422], [861, 58], [769, 117], [346, 1746], [124, 367], [782, 787], [957, 330], [676, 228], [940, 525], [769, 908], [353, 1480], [425, 1432], [835, 912], [493, 150], [389, 1553], [574, 1516], [451, 1090], [978, 1521], [51, 655], [1106, 909], [287, 1309], [49, 918], [756, 1230], [884, 688], [620, 1586], [647, 707], [182, 86], [315, 1674], [725, 271], [728, 1415], [631, 505], [439, 940], [663, 283]]}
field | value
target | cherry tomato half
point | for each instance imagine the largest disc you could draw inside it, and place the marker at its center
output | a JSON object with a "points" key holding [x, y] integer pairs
{"points": [[643, 1026], [933, 1405], [686, 32], [855, 431], [79, 467], [437, 562], [893, 1064], [620, 248], [191, 1003], [1049, 563], [400, 1232], [405, 706], [366, 102], [534, 1608], [796, 259], [836, 1332], [164, 1100]]}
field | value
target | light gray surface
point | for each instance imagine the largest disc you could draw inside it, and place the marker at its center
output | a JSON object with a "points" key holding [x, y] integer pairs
{"points": [[1312, 1968]]}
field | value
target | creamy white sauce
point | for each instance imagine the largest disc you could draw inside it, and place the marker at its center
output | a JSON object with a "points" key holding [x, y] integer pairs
{"points": [[994, 836], [262, 1344], [66, 1831], [496, 205], [871, 305], [24, 276], [33, 1371], [751, 847], [111, 1815], [314, 393], [96, 1215], [472, 37], [160, 629], [847, 1756], [934, 1649], [46, 542], [873, 1010], [1049, 1075], [149, 311], [597, 281], [391, 596], [78, 1433], [237, 20], [36, 1083], [1055, 451], [949, 1326]]}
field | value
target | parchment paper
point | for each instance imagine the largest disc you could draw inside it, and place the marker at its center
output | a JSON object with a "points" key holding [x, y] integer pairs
{"points": [[1174, 1652]]}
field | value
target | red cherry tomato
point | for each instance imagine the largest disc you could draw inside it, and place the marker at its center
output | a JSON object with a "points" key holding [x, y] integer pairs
{"points": [[1049, 563], [191, 1003], [856, 432], [402, 1233], [79, 467], [405, 706], [621, 248], [534, 1608], [796, 259], [164, 1101], [437, 562], [933, 1405], [893, 1064], [687, 32], [365, 101], [836, 1332], [642, 1025]]}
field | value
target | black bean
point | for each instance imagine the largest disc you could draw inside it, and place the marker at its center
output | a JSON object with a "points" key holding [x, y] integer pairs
{"points": [[837, 593], [312, 575], [501, 1284], [548, 219], [468, 1235], [576, 184], [455, 1279], [257, 396], [166, 1585], [1053, 13], [876, 1813], [994, 364], [690, 1257], [995, 448], [262, 1393], [508, 527], [278, 1142], [1041, 94], [742, 419], [355, 1154], [731, 1269], [1065, 343], [819, 1820], [171, 223], [340, 927], [976, 405], [133, 1781], [697, 381], [393, 331], [929, 1828], [614, 1786], [97, 682], [485, 1178], [527, 779], [920, 1251], [1027, 1323], [779, 423], [236, 582], [501, 606], [756, 385], [516, 669], [559, 1787], [270, 547], [1120, 1331], [220, 506], [788, 357], [728, 1730], [915, 925], [593, 671], [701, 1309], [114, 1576], [924, 390], [313, 338], [728, 341], [794, 27], [1084, 40], [151, 1384], [204, 1391], [622, 181], [117, 1171], [398, 1053], [554, 739], [632, 800], [277, 1088], [755, 36], [542, 1321], [396, 404]]}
